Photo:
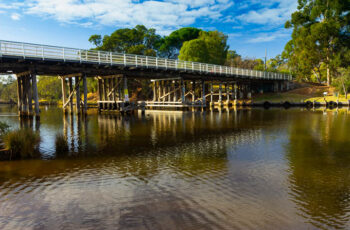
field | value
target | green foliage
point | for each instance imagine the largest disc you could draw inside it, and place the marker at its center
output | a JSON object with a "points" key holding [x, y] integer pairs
{"points": [[138, 40], [210, 47], [4, 128], [61, 143], [342, 82], [171, 45], [8, 89], [194, 50], [96, 39], [320, 35], [22, 143], [49, 88]]}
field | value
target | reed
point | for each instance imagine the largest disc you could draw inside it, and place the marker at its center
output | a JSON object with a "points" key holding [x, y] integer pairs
{"points": [[22, 143], [61, 143]]}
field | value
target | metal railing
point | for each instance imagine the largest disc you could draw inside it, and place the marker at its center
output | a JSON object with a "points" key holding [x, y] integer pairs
{"points": [[44, 52]]}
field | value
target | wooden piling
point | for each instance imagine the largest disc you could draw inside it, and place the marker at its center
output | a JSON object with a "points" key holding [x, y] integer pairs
{"points": [[64, 93], [19, 94], [77, 93], [203, 93], [85, 93], [220, 92], [35, 95], [70, 83]]}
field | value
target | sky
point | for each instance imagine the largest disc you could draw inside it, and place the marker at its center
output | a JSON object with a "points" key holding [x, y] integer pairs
{"points": [[251, 25]]}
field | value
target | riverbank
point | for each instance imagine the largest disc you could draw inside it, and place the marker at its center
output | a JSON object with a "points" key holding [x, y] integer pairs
{"points": [[303, 93]]}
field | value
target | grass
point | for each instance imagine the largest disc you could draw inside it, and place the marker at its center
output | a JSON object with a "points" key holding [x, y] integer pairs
{"points": [[61, 143], [305, 92], [22, 143]]}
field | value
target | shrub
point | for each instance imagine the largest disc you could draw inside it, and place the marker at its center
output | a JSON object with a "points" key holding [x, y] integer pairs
{"points": [[4, 128], [22, 143], [61, 143]]}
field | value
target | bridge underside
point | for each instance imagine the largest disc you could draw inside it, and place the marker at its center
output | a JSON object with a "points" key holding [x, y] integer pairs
{"points": [[170, 89]]}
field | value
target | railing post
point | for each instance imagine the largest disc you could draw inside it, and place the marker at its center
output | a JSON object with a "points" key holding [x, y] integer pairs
{"points": [[99, 57], [124, 56], [0, 49], [192, 66], [176, 64], [111, 57], [80, 56], [146, 62], [166, 63], [156, 63], [136, 60], [207, 68]]}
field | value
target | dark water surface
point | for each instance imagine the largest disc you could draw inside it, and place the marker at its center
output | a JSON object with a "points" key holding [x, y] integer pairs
{"points": [[244, 169]]}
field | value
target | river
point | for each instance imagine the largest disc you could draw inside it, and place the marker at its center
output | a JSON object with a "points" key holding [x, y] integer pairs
{"points": [[242, 169]]}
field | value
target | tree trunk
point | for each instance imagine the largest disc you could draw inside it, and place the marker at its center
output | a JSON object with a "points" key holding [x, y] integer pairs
{"points": [[329, 81], [317, 76]]}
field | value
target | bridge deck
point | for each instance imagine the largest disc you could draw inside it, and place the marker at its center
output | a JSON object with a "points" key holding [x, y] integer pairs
{"points": [[35, 52]]}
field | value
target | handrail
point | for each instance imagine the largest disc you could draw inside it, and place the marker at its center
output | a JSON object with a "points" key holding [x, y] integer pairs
{"points": [[66, 54]]}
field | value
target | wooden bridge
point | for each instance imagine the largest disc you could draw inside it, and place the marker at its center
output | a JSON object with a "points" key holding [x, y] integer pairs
{"points": [[175, 83]]}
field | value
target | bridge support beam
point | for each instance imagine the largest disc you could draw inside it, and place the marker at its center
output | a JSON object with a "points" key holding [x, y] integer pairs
{"points": [[27, 91], [69, 89]]}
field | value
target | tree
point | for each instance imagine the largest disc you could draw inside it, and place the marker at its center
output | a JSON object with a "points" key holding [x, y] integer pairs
{"points": [[213, 48], [49, 88], [320, 29], [194, 50], [342, 82], [170, 45], [96, 40], [138, 40]]}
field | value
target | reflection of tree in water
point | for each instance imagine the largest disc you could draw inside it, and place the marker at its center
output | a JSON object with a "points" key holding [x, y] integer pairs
{"points": [[319, 159]]}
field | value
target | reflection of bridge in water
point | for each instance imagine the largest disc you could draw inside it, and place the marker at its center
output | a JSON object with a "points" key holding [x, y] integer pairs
{"points": [[175, 83]]}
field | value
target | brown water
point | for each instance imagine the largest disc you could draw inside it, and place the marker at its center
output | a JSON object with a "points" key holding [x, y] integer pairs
{"points": [[245, 169]]}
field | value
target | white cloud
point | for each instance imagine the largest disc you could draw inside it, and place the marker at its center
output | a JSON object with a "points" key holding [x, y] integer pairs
{"points": [[162, 15], [273, 12], [268, 37], [15, 16]]}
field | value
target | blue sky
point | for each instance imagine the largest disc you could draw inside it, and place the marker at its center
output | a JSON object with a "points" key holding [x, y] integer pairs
{"points": [[251, 25]]}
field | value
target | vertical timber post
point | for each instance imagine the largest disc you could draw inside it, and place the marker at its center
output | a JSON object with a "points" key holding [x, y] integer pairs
{"points": [[99, 88], [203, 94], [227, 89], [193, 91], [183, 91], [35, 95], [211, 93], [77, 93], [70, 84], [63, 84], [175, 91], [19, 94], [30, 99], [154, 91], [24, 95], [85, 93], [220, 93], [126, 92]]}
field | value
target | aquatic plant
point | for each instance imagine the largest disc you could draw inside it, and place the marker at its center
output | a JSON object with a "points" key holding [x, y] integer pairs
{"points": [[61, 143], [4, 128], [22, 143]]}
